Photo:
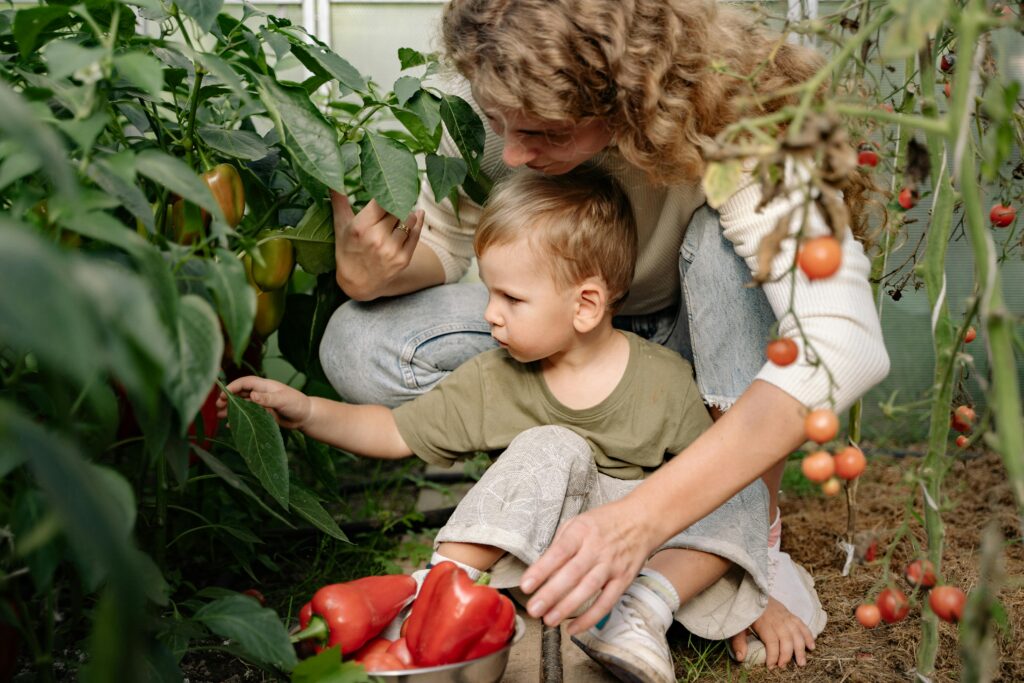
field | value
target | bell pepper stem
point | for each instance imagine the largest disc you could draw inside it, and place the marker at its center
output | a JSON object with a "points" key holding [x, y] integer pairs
{"points": [[484, 580], [316, 629]]}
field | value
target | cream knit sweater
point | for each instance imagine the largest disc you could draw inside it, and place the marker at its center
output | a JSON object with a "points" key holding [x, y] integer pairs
{"points": [[837, 314]]}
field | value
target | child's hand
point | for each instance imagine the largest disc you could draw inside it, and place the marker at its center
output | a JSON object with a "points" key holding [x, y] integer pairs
{"points": [[290, 407]]}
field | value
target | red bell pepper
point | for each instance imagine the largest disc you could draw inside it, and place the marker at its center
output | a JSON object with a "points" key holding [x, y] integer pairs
{"points": [[498, 635], [400, 649], [375, 645], [350, 614], [382, 661], [226, 186], [452, 615]]}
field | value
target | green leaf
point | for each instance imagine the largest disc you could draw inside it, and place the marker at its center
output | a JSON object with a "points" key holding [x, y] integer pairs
{"points": [[260, 444], [236, 300], [84, 131], [349, 156], [21, 122], [238, 144], [36, 537], [177, 177], [29, 23], [427, 107], [17, 166], [142, 70], [336, 67], [56, 311], [721, 181], [224, 73], [405, 88], [465, 128], [203, 11], [389, 173], [257, 629], [444, 174], [409, 58], [199, 347], [306, 504], [313, 239], [234, 481], [65, 57], [304, 132], [327, 667], [103, 173]]}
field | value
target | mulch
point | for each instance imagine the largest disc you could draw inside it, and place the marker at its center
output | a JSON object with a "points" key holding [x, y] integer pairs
{"points": [[976, 495]]}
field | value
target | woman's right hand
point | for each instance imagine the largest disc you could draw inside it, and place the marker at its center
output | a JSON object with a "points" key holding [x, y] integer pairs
{"points": [[371, 247], [290, 407]]}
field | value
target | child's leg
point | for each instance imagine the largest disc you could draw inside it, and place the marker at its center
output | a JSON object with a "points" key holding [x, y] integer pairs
{"points": [[475, 555]]}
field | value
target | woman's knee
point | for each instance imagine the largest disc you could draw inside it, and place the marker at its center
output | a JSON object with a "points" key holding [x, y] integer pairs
{"points": [[351, 354]]}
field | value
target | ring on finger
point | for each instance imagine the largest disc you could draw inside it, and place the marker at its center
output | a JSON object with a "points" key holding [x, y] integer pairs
{"points": [[401, 227]]}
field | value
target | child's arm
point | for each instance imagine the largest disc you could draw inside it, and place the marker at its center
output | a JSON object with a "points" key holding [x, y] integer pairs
{"points": [[367, 430]]}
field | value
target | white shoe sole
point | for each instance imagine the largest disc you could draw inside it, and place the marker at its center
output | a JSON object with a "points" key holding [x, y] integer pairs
{"points": [[612, 658]]}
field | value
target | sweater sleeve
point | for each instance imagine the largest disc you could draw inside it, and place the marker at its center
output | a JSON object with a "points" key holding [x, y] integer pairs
{"points": [[837, 314]]}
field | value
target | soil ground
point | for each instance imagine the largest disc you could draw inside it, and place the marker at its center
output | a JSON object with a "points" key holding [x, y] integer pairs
{"points": [[977, 496]]}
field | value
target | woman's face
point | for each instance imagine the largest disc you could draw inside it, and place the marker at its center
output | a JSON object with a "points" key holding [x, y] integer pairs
{"points": [[546, 146]]}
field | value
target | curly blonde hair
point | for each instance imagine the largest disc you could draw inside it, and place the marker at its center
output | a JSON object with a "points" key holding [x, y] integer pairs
{"points": [[665, 75]]}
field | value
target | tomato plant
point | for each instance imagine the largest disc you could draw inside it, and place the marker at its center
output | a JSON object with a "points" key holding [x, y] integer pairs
{"points": [[818, 466], [820, 257], [782, 352], [868, 615], [821, 425], [921, 573], [893, 605], [947, 602], [1002, 216]]}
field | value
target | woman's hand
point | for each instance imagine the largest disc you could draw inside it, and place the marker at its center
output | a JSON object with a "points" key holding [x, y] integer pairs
{"points": [[372, 247], [600, 551], [290, 407]]}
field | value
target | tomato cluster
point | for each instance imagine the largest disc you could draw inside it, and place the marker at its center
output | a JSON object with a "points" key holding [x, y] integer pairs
{"points": [[823, 468]]}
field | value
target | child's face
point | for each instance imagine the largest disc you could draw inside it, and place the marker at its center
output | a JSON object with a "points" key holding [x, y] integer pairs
{"points": [[529, 313], [552, 148]]}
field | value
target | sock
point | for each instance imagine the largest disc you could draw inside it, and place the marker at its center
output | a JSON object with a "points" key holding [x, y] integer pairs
{"points": [[658, 584], [775, 530], [438, 558]]}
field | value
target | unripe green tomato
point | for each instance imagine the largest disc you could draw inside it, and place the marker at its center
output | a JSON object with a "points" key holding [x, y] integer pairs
{"points": [[278, 262], [269, 312]]}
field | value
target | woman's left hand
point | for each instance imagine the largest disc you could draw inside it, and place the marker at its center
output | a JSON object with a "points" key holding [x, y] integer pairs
{"points": [[596, 553]]}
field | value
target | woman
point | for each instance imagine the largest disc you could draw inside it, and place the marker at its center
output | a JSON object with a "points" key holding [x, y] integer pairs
{"points": [[635, 87]]}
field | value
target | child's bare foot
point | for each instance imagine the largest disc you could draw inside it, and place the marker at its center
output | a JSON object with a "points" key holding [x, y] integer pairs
{"points": [[781, 637]]}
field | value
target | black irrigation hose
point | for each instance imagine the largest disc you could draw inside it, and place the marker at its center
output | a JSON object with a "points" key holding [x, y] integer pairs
{"points": [[434, 477]]}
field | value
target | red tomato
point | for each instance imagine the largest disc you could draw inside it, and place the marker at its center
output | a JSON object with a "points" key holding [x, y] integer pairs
{"points": [[382, 661], [867, 157], [947, 90], [907, 198], [872, 552], [830, 487], [962, 441], [888, 107], [821, 425], [850, 463], [970, 335], [1001, 216], [948, 61], [256, 595], [868, 615], [782, 352], [818, 466], [921, 573], [965, 414], [893, 605], [820, 257], [947, 602]]}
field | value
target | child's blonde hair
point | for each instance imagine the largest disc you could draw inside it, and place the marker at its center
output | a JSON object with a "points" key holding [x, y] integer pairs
{"points": [[581, 223]]}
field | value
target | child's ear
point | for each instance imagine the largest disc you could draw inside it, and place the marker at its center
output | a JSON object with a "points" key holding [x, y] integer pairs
{"points": [[591, 304]]}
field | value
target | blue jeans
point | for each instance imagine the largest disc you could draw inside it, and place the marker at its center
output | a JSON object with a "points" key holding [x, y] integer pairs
{"points": [[391, 350]]}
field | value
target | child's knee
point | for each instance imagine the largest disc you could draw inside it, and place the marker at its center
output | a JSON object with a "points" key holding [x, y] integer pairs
{"points": [[550, 443]]}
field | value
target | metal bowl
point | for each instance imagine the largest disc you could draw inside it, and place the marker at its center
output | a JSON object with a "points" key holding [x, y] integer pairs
{"points": [[488, 669]]}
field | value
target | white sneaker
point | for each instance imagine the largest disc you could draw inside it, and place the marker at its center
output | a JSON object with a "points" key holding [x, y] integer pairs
{"points": [[630, 642]]}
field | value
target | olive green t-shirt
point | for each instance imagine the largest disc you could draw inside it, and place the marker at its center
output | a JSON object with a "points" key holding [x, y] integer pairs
{"points": [[487, 401]]}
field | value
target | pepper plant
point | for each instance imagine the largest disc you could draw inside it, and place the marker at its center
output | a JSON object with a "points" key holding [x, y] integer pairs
{"points": [[155, 189]]}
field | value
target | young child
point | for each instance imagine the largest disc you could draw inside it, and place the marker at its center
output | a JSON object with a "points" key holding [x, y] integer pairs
{"points": [[580, 411]]}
